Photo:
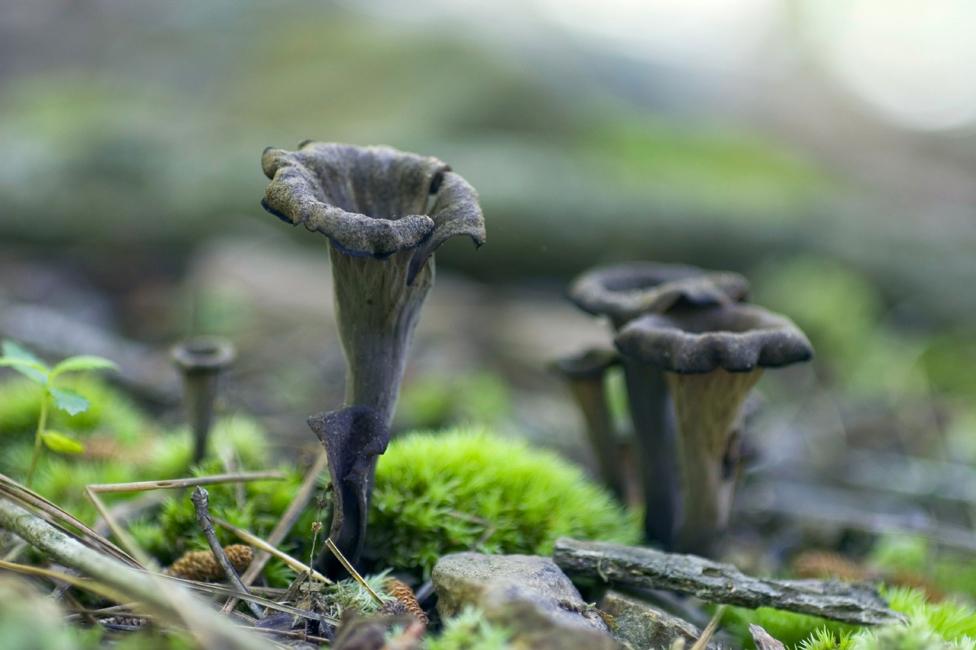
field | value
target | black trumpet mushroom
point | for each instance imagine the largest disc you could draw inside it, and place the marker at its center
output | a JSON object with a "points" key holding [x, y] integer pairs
{"points": [[383, 213], [622, 292], [710, 359]]}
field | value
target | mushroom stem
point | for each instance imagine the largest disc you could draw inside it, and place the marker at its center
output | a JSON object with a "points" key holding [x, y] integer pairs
{"points": [[353, 438], [585, 374], [377, 312], [651, 413], [707, 408], [201, 361]]}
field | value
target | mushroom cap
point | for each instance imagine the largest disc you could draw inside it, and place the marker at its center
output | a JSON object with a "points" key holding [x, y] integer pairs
{"points": [[734, 337], [371, 201], [203, 354], [587, 364], [625, 291]]}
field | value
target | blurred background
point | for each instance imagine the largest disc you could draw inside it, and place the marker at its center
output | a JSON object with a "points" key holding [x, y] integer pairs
{"points": [[824, 149]]}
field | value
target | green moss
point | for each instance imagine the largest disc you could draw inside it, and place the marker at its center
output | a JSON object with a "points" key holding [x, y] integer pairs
{"points": [[470, 631], [827, 639], [790, 628], [931, 626], [467, 489]]}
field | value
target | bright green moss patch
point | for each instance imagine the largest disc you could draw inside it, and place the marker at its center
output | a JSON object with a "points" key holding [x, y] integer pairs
{"points": [[469, 630], [790, 628], [466, 489]]}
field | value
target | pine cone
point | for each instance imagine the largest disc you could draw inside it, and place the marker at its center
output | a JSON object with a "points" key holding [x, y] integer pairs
{"points": [[202, 565], [404, 596]]}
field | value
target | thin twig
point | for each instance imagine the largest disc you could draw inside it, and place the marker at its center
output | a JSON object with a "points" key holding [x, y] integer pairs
{"points": [[221, 590], [261, 544], [177, 483], [709, 630], [61, 519], [289, 517], [329, 544], [75, 581], [201, 502], [293, 634]]}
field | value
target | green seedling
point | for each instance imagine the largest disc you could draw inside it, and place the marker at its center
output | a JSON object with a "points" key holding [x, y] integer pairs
{"points": [[70, 402]]}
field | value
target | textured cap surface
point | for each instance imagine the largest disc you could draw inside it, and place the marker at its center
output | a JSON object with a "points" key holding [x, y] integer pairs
{"points": [[734, 337]]}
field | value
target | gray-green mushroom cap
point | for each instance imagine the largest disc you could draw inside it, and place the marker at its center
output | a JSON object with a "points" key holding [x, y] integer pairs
{"points": [[627, 290], [736, 338], [372, 201]]}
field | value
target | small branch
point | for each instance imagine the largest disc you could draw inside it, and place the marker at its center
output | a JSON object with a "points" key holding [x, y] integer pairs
{"points": [[329, 544], [285, 524], [201, 502], [170, 602], [173, 484], [259, 543], [646, 568], [709, 630]]}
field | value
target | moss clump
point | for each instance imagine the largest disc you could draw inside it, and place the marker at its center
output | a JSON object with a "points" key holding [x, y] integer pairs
{"points": [[790, 628], [469, 630], [467, 489]]}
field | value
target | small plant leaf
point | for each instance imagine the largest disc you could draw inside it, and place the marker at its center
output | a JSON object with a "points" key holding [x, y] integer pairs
{"points": [[23, 362], [83, 362], [68, 400], [61, 443]]}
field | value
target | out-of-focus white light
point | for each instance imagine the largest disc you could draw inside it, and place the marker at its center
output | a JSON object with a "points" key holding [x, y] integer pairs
{"points": [[720, 34], [913, 60]]}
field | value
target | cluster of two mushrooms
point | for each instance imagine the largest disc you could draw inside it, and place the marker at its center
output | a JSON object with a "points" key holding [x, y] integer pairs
{"points": [[383, 213], [691, 351]]}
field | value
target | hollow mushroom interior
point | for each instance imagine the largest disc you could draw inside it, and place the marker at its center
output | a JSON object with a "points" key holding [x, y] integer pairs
{"points": [[375, 182]]}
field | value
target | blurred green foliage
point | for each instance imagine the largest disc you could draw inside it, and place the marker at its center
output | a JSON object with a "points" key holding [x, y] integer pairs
{"points": [[438, 400], [952, 572], [109, 413]]}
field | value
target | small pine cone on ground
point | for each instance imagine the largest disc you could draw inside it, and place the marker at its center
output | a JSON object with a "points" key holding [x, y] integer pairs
{"points": [[405, 597], [202, 565]]}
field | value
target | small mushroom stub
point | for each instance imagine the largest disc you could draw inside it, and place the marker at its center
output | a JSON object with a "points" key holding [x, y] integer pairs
{"points": [[201, 360], [711, 359], [353, 438]]}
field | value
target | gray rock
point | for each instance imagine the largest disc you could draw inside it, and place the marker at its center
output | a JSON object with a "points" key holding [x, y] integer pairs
{"points": [[465, 579], [645, 627], [534, 626]]}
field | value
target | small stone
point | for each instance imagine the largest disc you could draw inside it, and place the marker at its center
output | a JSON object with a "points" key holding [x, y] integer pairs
{"points": [[464, 578], [643, 626], [534, 626]]}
